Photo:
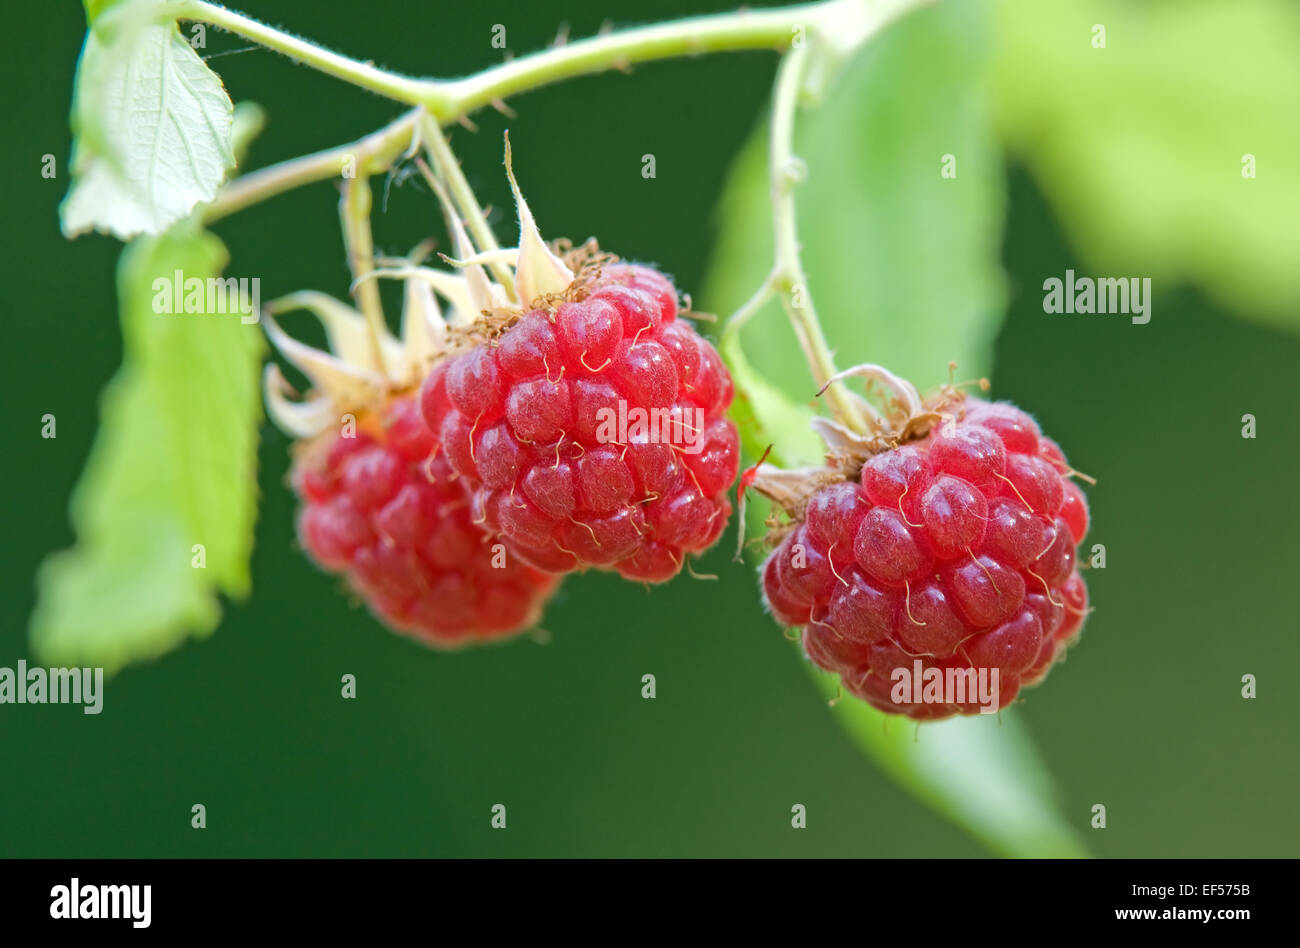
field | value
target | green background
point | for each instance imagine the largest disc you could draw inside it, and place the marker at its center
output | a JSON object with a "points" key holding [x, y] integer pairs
{"points": [[1146, 717]]}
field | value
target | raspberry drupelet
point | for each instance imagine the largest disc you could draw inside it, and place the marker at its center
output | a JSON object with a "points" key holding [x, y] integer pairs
{"points": [[591, 432], [953, 546], [380, 505], [397, 527], [560, 415]]}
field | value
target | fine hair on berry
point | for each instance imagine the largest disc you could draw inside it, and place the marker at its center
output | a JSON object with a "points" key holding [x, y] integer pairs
{"points": [[591, 431], [384, 510], [951, 552]]}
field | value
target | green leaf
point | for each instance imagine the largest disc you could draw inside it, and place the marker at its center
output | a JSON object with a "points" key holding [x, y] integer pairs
{"points": [[249, 120], [1140, 145], [982, 772], [95, 7], [904, 267], [152, 126], [174, 465], [761, 411]]}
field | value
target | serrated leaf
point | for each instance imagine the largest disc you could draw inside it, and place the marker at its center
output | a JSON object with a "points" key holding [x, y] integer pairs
{"points": [[152, 126], [173, 465], [1139, 145], [903, 265]]}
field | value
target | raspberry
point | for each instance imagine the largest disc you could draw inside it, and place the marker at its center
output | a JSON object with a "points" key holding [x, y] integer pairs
{"points": [[953, 551], [567, 412], [592, 433], [397, 526]]}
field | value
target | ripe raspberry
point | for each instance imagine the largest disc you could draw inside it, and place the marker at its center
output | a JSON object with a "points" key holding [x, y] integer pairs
{"points": [[398, 528], [592, 433], [383, 508], [955, 550]]}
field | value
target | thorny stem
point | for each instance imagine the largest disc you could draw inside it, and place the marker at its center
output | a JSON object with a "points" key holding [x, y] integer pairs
{"points": [[365, 75], [787, 278], [745, 29], [436, 144], [833, 27], [844, 23], [373, 154], [838, 25]]}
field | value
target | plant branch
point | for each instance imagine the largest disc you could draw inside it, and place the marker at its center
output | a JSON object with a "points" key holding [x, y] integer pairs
{"points": [[354, 210], [742, 30], [365, 75], [838, 26], [449, 168], [787, 278], [370, 155]]}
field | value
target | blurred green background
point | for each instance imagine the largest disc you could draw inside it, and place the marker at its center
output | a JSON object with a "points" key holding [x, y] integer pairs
{"points": [[1146, 717]]}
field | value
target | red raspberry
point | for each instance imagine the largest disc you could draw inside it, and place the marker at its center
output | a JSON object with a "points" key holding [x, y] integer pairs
{"points": [[397, 525], [592, 434], [956, 551]]}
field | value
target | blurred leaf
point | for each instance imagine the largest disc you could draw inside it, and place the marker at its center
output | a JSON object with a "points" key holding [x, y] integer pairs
{"points": [[152, 126], [981, 772], [761, 411], [248, 122], [903, 265], [95, 7], [1139, 145], [173, 465]]}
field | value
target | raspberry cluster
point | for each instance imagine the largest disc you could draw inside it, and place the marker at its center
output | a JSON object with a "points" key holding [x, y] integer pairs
{"points": [[956, 550], [394, 521], [592, 433]]}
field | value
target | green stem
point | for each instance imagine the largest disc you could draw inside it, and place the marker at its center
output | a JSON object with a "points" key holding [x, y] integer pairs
{"points": [[837, 25], [354, 210], [371, 155], [365, 75], [787, 277], [746, 29], [445, 160]]}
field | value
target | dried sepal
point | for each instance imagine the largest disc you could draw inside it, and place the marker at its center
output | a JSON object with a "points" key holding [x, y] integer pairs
{"points": [[450, 286], [330, 375], [424, 334], [846, 446], [902, 400], [347, 330], [507, 255], [302, 419], [908, 417], [477, 309], [539, 273]]}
